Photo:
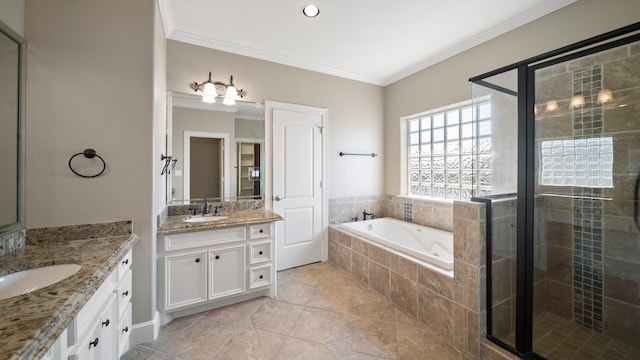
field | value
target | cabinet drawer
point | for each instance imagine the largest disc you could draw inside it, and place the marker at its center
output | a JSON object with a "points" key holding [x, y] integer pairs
{"points": [[124, 265], [124, 293], [203, 238], [259, 231], [259, 276], [124, 329], [259, 252]]}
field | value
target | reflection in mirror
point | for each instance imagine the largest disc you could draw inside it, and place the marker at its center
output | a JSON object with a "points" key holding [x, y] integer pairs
{"points": [[218, 148], [11, 80]]}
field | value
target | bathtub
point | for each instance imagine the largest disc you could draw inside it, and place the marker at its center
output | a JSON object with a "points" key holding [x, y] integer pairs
{"points": [[428, 245]]}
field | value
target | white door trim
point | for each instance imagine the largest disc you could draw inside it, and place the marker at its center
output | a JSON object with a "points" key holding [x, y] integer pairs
{"points": [[269, 106], [226, 160]]}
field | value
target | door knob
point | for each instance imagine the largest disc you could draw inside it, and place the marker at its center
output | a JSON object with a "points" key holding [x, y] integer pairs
{"points": [[277, 198]]}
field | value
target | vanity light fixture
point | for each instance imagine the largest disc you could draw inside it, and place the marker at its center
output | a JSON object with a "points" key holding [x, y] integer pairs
{"points": [[310, 11], [212, 89]]}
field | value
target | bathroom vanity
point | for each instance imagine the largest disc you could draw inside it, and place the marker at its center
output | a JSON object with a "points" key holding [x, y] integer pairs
{"points": [[204, 265], [86, 315]]}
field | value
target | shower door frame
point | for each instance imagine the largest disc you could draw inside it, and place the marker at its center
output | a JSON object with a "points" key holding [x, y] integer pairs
{"points": [[526, 176]]}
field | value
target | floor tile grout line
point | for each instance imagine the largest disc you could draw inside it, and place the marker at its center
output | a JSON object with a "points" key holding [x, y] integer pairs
{"points": [[200, 316]]}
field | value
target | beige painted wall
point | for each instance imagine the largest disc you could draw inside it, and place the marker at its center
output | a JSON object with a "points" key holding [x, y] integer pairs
{"points": [[447, 82], [355, 108], [91, 85], [12, 14]]}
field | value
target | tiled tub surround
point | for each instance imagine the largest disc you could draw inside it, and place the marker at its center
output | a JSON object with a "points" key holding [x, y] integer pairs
{"points": [[29, 324], [343, 210], [437, 214], [453, 307]]}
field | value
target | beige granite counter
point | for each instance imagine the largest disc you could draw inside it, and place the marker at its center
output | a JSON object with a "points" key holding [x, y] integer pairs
{"points": [[29, 324], [175, 224]]}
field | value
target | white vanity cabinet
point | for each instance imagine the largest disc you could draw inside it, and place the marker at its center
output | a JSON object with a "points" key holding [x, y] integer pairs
{"points": [[101, 329], [211, 268]]}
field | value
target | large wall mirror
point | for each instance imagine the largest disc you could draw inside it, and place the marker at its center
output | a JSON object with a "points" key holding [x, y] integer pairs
{"points": [[216, 149], [12, 52]]}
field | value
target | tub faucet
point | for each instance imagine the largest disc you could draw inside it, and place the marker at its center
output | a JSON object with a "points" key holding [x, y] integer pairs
{"points": [[365, 214], [206, 207], [217, 209]]}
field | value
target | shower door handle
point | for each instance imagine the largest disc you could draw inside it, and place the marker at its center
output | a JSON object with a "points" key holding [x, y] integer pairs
{"points": [[635, 202]]}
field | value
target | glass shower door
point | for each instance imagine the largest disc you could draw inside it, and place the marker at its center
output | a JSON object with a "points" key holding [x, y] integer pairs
{"points": [[586, 291]]}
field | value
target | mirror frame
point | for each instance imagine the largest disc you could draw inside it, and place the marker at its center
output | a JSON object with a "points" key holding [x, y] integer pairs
{"points": [[20, 148], [169, 149]]}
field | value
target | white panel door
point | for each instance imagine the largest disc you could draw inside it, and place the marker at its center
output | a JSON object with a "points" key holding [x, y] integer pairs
{"points": [[297, 184]]}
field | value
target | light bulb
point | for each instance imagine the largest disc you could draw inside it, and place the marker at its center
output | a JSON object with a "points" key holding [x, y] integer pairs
{"points": [[577, 101], [228, 101], [552, 106], [232, 92], [209, 89], [604, 96], [208, 99]]}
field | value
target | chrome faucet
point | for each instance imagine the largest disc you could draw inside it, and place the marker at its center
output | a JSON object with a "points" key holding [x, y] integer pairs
{"points": [[217, 209], [365, 214]]}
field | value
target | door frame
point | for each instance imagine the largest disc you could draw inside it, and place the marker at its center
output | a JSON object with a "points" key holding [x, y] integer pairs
{"points": [[269, 106], [225, 157]]}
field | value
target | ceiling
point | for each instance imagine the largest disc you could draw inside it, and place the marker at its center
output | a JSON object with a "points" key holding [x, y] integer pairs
{"points": [[374, 41]]}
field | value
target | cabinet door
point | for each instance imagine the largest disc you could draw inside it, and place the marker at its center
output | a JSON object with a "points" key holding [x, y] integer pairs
{"points": [[87, 346], [108, 322], [185, 279], [226, 271]]}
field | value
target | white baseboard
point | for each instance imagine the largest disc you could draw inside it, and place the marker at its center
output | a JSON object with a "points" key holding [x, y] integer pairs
{"points": [[145, 332]]}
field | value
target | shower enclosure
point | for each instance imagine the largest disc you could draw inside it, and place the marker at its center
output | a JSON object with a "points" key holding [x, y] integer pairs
{"points": [[563, 245]]}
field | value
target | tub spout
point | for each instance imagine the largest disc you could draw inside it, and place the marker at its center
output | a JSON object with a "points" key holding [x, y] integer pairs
{"points": [[370, 215]]}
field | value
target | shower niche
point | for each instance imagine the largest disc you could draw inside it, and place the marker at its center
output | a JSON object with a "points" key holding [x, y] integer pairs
{"points": [[563, 248]]}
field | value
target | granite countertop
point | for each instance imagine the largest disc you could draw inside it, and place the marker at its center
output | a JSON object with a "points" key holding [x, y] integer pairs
{"points": [[175, 224], [30, 323]]}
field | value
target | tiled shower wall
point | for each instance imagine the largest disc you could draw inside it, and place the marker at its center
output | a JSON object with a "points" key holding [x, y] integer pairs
{"points": [[454, 307], [592, 258]]}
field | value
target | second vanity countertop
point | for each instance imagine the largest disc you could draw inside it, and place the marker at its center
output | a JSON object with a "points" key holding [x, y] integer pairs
{"points": [[176, 224], [30, 323]]}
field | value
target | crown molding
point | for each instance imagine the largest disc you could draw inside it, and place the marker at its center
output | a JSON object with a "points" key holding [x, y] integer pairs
{"points": [[196, 39]]}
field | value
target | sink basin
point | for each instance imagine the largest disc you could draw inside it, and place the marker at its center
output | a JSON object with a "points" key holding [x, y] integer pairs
{"points": [[26, 281], [205, 218]]}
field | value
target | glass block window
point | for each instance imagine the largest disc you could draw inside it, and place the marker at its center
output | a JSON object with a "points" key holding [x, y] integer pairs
{"points": [[441, 151], [584, 162]]}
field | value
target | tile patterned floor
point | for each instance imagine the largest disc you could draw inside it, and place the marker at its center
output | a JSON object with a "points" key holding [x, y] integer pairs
{"points": [[320, 313], [557, 338]]}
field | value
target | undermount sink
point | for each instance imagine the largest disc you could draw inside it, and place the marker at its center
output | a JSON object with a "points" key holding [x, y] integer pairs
{"points": [[204, 218], [26, 281]]}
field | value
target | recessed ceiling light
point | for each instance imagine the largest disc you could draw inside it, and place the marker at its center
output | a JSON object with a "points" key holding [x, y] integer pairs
{"points": [[310, 11]]}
